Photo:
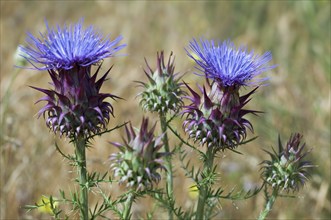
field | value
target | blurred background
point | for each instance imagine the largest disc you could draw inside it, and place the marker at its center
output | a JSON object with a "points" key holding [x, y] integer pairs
{"points": [[297, 98]]}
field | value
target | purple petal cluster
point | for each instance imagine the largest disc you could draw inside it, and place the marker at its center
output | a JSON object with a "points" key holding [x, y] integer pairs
{"points": [[227, 65], [139, 158], [67, 47], [215, 118], [287, 169]]}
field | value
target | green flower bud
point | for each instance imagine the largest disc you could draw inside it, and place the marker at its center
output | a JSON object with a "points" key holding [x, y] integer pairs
{"points": [[163, 91], [286, 170], [139, 158]]}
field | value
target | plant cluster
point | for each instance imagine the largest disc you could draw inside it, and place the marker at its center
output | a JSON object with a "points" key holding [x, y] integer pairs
{"points": [[214, 119]]}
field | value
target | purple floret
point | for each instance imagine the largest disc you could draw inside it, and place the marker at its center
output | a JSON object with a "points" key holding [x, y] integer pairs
{"points": [[227, 65], [67, 47]]}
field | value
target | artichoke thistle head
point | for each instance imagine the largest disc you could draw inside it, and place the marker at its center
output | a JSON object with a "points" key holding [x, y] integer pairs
{"points": [[139, 160], [75, 106], [162, 93], [287, 169], [215, 117]]}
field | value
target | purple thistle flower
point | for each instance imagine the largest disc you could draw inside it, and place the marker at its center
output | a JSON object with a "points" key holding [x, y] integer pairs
{"points": [[227, 65], [67, 47], [139, 158], [216, 118], [287, 170], [75, 107]]}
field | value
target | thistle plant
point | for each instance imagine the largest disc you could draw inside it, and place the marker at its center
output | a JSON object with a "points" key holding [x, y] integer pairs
{"points": [[216, 117], [286, 171], [139, 160], [75, 106], [163, 94]]}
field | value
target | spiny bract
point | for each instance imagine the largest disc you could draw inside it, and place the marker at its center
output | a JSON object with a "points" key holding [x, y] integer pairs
{"points": [[287, 170], [139, 158], [216, 117], [163, 91], [76, 107]]}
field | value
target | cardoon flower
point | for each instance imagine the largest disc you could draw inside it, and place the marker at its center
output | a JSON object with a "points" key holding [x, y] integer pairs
{"points": [[287, 169], [227, 65], [215, 117], [68, 47], [209, 123], [139, 158], [163, 91], [75, 107]]}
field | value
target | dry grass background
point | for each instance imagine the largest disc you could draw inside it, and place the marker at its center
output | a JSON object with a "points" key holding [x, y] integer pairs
{"points": [[296, 100]]}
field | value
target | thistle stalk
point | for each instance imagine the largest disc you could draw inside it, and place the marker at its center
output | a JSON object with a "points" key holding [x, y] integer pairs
{"points": [[269, 203], [162, 94], [287, 170], [127, 206], [163, 120], [75, 106], [205, 188], [83, 183]]}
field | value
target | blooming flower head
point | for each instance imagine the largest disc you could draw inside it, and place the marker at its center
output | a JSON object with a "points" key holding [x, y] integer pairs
{"points": [[227, 65], [75, 107], [214, 119], [67, 47], [163, 91], [139, 158], [287, 169]]}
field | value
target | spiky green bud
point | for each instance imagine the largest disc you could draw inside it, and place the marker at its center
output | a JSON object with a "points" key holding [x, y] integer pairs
{"points": [[139, 159], [163, 91], [286, 170]]}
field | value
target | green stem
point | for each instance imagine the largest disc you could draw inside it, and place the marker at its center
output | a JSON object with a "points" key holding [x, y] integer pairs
{"points": [[83, 184], [268, 206], [163, 120], [205, 188], [127, 207]]}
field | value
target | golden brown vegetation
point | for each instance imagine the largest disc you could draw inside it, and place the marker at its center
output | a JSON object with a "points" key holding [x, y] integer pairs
{"points": [[297, 98]]}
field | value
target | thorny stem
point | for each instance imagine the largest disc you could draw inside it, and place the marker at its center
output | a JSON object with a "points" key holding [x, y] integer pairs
{"points": [[205, 188], [269, 203], [83, 183], [163, 120], [127, 206]]}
